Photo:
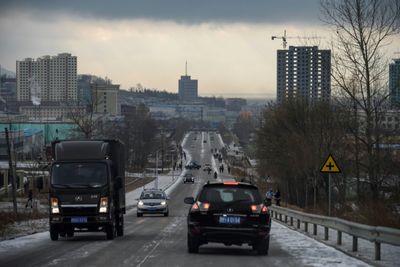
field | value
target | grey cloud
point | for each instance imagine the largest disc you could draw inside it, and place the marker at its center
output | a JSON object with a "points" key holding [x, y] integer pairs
{"points": [[181, 11]]}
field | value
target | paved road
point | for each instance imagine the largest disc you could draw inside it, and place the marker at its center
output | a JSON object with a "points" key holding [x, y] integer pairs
{"points": [[151, 240]]}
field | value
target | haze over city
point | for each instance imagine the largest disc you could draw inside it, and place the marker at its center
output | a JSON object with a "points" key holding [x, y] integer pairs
{"points": [[227, 44], [201, 133]]}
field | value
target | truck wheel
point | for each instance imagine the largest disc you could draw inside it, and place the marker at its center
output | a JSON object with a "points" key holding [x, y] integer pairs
{"points": [[192, 244], [53, 233], [166, 214], [111, 231], [139, 214], [120, 225]]}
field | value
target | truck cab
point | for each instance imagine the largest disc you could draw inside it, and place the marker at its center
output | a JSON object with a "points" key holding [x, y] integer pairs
{"points": [[87, 188]]}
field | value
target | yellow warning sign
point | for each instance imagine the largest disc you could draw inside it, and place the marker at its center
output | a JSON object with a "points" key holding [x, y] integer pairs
{"points": [[330, 165]]}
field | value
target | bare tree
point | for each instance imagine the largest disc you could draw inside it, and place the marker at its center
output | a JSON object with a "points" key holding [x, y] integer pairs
{"points": [[292, 141], [362, 29], [138, 131], [84, 114]]}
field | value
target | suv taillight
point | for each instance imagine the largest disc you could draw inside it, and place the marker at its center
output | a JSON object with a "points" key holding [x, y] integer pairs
{"points": [[264, 210], [259, 209], [204, 206], [199, 206], [194, 207]]}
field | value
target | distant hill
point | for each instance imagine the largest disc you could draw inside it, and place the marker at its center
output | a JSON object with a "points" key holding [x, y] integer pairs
{"points": [[7, 72]]}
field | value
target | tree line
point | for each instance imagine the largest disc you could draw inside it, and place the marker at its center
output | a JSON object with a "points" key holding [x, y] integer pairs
{"points": [[295, 137]]}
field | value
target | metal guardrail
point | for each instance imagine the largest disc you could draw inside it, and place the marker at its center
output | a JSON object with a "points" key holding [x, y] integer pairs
{"points": [[376, 234]]}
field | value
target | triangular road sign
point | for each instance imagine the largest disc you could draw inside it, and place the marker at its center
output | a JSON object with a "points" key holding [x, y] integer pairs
{"points": [[330, 165]]}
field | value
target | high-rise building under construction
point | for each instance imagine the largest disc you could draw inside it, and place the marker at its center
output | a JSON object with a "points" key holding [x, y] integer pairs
{"points": [[303, 72]]}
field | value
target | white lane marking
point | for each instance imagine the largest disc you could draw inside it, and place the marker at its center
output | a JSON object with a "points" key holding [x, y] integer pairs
{"points": [[151, 251], [151, 246]]}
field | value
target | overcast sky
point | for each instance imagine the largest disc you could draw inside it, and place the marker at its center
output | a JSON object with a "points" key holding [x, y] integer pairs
{"points": [[227, 43]]}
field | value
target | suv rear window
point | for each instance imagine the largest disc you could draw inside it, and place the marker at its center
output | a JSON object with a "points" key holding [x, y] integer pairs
{"points": [[226, 194]]}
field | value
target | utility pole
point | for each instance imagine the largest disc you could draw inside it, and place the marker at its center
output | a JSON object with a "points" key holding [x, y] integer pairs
{"points": [[11, 171], [156, 182], [329, 194]]}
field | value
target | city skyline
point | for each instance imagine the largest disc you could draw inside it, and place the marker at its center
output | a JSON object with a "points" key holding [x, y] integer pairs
{"points": [[228, 47]]}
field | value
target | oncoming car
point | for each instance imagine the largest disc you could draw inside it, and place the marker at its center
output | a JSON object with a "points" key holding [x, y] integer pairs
{"points": [[152, 201], [231, 213], [192, 165], [188, 178]]}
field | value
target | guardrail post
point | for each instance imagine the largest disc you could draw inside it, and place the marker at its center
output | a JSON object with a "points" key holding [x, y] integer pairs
{"points": [[315, 229], [298, 223], [306, 227], [286, 219], [280, 216], [276, 215], [326, 233], [355, 243], [291, 221], [339, 237], [377, 251]]}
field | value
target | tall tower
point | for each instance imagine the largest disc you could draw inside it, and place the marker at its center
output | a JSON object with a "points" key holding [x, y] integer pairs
{"points": [[187, 90], [394, 83], [303, 72]]}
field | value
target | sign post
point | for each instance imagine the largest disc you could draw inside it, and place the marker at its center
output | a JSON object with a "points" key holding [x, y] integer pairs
{"points": [[330, 167]]}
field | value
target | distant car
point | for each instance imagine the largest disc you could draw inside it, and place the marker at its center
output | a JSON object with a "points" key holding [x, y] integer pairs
{"points": [[152, 201], [188, 178], [192, 165], [207, 168], [231, 213]]}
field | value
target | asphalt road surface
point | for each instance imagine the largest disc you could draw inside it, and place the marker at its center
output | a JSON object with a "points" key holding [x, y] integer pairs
{"points": [[151, 240]]}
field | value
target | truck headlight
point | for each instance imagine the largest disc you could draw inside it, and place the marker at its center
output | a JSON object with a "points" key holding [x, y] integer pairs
{"points": [[163, 203], [54, 205], [140, 203], [103, 205]]}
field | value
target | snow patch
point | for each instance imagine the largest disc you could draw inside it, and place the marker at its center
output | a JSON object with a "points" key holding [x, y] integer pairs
{"points": [[308, 250]]}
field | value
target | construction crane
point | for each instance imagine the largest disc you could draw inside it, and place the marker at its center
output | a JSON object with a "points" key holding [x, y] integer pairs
{"points": [[285, 37]]}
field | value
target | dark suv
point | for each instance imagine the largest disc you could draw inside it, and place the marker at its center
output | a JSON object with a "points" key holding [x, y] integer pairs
{"points": [[193, 165], [228, 213]]}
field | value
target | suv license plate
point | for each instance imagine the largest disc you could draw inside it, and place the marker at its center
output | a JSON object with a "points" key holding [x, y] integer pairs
{"points": [[229, 220], [79, 220]]}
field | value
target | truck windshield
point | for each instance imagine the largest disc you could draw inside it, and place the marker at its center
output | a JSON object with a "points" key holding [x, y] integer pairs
{"points": [[79, 175]]}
